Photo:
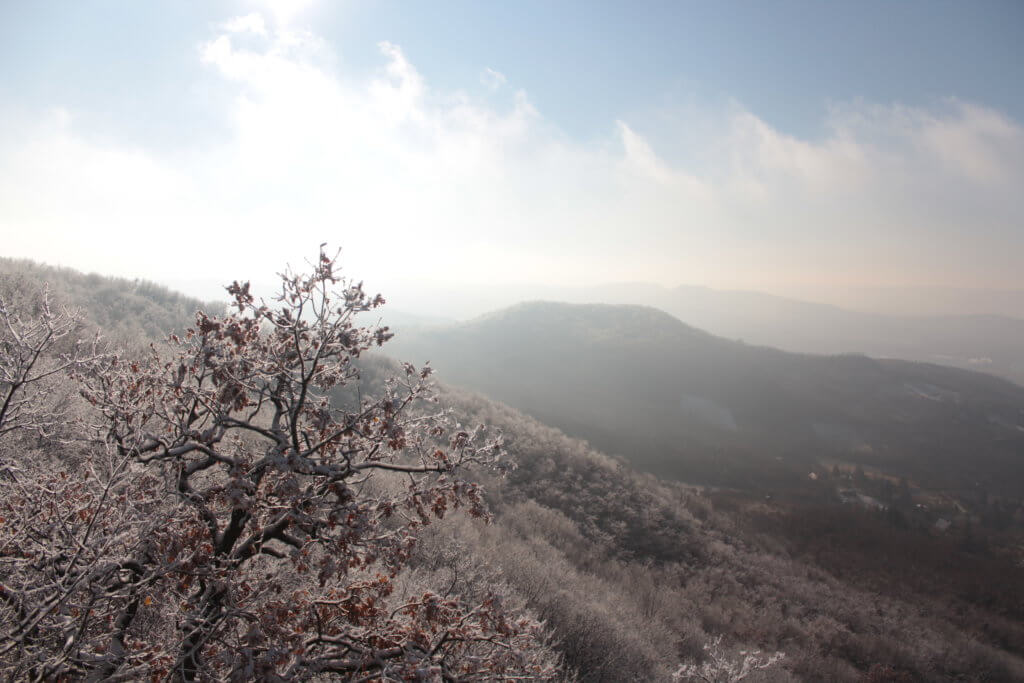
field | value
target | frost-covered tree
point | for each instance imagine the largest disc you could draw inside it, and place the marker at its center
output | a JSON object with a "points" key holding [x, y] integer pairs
{"points": [[36, 351], [228, 522], [719, 667]]}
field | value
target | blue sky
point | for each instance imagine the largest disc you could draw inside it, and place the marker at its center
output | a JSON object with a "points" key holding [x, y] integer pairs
{"points": [[783, 146], [585, 64]]}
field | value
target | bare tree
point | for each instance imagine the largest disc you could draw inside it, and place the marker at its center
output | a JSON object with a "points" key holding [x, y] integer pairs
{"points": [[719, 667], [34, 353], [232, 523]]}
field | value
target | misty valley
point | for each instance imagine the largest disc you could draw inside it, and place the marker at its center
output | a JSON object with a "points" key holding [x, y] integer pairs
{"points": [[646, 501]]}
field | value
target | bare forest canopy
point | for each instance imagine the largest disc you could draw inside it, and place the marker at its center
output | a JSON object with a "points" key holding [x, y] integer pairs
{"points": [[638, 578], [134, 310]]}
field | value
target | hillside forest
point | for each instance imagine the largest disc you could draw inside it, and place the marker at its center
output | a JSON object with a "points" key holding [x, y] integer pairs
{"points": [[280, 490]]}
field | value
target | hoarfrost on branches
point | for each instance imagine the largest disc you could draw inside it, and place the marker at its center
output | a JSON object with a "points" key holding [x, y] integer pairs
{"points": [[225, 520], [719, 667]]}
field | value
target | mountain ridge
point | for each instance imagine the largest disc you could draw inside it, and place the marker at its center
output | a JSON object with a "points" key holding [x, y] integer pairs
{"points": [[984, 342], [685, 391]]}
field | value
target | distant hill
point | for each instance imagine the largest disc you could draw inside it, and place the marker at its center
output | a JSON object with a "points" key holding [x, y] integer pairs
{"points": [[986, 343], [681, 402]]}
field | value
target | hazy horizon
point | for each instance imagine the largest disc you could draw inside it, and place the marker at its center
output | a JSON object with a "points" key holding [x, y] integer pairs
{"points": [[466, 300], [461, 301]]}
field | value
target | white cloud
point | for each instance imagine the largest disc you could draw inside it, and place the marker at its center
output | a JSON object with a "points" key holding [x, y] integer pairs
{"points": [[250, 23], [492, 80], [981, 145], [285, 11], [416, 182]]}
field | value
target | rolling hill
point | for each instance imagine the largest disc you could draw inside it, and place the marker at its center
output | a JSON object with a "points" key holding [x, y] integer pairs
{"points": [[677, 401], [988, 343], [991, 343]]}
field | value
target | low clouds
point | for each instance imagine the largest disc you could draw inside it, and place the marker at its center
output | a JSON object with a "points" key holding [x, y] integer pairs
{"points": [[475, 185]]}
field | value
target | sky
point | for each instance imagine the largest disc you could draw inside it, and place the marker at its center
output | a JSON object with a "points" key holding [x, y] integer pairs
{"points": [[802, 148]]}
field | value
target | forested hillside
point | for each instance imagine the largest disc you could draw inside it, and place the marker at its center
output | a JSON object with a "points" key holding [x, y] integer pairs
{"points": [[126, 310], [650, 566], [679, 402], [194, 508], [634, 576]]}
